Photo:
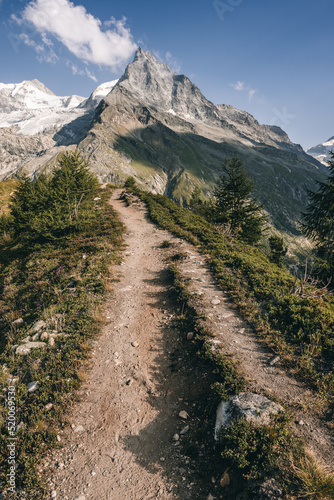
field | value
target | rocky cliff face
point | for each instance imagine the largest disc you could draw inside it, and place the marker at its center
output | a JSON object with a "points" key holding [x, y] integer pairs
{"points": [[158, 127]]}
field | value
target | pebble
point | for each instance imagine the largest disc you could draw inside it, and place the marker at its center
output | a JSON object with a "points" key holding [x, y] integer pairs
{"points": [[135, 344], [81, 497], [58, 438], [215, 302], [93, 473], [33, 386], [79, 428], [183, 414], [18, 321], [225, 480], [190, 336], [162, 459], [176, 437], [274, 360], [53, 494], [185, 430], [48, 406]]}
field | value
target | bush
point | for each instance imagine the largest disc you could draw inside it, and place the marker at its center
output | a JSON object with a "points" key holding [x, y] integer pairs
{"points": [[130, 182], [253, 449]]}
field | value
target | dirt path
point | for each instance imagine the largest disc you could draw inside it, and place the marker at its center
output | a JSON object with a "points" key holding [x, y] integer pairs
{"points": [[121, 443], [236, 339]]}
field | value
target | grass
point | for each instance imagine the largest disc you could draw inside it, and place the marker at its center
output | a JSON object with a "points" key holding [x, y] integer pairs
{"points": [[62, 282], [6, 189], [315, 481]]}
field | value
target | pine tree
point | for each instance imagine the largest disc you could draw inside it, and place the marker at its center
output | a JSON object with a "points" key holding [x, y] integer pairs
{"points": [[277, 250], [235, 206], [51, 207], [318, 223]]}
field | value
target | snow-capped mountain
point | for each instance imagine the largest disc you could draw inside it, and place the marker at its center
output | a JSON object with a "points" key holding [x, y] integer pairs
{"points": [[33, 108], [321, 151], [158, 127]]}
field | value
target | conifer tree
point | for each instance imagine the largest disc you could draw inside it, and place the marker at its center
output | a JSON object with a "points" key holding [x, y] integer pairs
{"points": [[318, 223], [235, 205], [277, 249]]}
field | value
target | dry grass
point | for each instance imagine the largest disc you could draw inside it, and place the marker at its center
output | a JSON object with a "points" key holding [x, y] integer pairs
{"points": [[316, 482], [6, 190]]}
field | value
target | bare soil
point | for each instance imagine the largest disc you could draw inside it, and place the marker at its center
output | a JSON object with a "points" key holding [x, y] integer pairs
{"points": [[120, 445]]}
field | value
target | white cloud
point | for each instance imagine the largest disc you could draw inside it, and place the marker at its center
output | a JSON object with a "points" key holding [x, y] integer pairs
{"points": [[44, 49], [251, 94], [106, 44], [81, 72], [240, 86], [173, 63]]}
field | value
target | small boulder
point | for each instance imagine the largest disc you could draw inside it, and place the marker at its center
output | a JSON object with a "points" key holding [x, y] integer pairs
{"points": [[26, 348], [33, 386], [38, 326], [256, 408]]}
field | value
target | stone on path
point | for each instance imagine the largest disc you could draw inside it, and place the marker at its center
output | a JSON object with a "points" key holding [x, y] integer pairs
{"points": [[183, 414], [256, 408]]}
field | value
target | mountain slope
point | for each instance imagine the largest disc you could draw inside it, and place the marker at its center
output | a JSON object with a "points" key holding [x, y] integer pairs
{"points": [[158, 127], [321, 151]]}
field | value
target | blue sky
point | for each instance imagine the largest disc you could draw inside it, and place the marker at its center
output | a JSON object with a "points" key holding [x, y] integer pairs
{"points": [[272, 59]]}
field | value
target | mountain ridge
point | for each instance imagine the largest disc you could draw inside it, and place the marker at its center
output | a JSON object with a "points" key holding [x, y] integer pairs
{"points": [[158, 127]]}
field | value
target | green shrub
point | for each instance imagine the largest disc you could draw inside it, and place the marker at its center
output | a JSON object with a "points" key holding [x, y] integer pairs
{"points": [[254, 449]]}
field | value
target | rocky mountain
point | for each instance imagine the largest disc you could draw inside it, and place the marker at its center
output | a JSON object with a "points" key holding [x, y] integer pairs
{"points": [[157, 126], [321, 151]]}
